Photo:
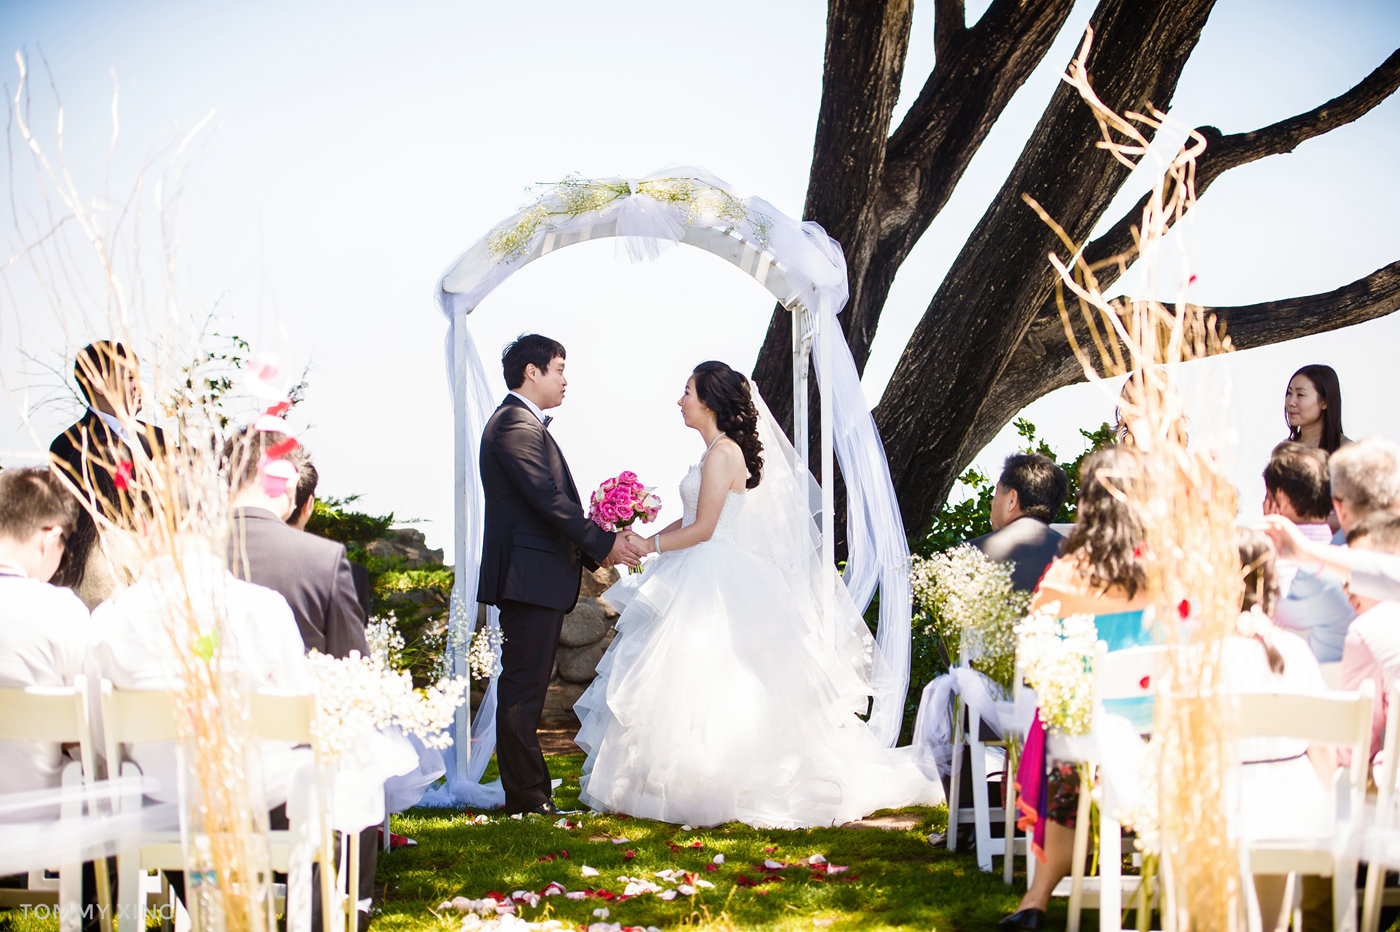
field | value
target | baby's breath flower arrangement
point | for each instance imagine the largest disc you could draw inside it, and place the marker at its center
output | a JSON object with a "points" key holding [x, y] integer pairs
{"points": [[1057, 657], [484, 655], [386, 644], [969, 604], [358, 694]]}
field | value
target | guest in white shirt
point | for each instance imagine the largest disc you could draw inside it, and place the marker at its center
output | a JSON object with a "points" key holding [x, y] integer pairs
{"points": [[257, 639], [43, 628], [1313, 605]]}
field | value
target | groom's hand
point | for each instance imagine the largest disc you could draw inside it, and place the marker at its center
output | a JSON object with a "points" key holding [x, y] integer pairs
{"points": [[623, 552]]}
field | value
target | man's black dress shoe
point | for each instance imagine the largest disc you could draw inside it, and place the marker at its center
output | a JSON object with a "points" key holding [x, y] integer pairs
{"points": [[1025, 919], [551, 810]]}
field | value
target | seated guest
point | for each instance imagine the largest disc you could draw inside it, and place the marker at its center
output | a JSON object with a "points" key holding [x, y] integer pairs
{"points": [[1368, 573], [1028, 496], [44, 629], [137, 630], [1365, 479], [305, 506], [1277, 775], [1372, 649], [91, 454], [312, 573], [1313, 605], [1100, 573]]}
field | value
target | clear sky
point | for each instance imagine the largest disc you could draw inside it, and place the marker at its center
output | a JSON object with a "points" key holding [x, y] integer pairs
{"points": [[355, 149]]}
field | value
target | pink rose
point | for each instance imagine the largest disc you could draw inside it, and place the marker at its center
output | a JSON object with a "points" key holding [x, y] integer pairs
{"points": [[627, 476]]}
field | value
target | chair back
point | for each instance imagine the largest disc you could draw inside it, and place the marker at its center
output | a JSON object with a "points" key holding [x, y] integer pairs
{"points": [[278, 715], [1335, 717], [58, 714], [1386, 821]]}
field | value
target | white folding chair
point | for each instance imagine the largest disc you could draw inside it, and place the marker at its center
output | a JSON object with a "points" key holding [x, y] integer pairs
{"points": [[967, 737], [1332, 718], [1128, 675], [1386, 821], [140, 716], [55, 715]]}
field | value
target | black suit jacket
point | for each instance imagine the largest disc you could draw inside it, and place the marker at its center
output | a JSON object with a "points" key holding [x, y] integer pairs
{"points": [[537, 537], [1030, 542], [312, 574], [86, 453]]}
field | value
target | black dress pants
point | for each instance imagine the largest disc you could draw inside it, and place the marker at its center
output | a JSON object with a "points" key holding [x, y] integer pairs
{"points": [[527, 660]]}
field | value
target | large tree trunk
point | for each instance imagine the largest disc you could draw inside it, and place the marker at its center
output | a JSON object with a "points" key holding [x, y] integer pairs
{"points": [[1001, 279], [991, 340]]}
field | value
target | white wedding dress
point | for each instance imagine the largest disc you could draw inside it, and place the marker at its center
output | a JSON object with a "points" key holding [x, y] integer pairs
{"points": [[718, 699]]}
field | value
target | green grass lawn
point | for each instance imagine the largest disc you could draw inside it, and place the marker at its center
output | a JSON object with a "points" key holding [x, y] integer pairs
{"points": [[894, 878]]}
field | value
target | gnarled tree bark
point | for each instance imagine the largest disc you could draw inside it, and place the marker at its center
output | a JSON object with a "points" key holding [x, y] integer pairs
{"points": [[990, 341]]}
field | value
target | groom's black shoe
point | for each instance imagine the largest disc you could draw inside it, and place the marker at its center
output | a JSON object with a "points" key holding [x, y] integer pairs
{"points": [[1024, 919], [548, 808]]}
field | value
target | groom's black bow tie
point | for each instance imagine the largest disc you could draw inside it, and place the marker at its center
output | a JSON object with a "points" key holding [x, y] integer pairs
{"points": [[547, 419]]}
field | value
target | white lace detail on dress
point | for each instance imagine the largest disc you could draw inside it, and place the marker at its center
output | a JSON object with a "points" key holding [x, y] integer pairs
{"points": [[690, 502]]}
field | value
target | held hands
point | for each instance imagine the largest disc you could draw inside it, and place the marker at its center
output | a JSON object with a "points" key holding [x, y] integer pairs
{"points": [[624, 550], [642, 544]]}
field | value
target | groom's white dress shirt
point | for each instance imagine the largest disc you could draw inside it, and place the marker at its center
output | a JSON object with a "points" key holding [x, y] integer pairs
{"points": [[535, 409], [44, 638], [258, 639]]}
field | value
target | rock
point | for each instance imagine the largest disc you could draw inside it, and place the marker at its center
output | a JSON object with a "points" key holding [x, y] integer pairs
{"points": [[408, 543], [561, 697], [595, 582], [588, 622], [579, 664]]}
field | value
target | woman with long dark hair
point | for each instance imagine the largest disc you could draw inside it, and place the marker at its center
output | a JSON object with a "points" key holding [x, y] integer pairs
{"points": [[1312, 408], [732, 689]]}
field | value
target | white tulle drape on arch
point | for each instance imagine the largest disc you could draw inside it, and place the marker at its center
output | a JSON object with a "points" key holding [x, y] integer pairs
{"points": [[806, 271]]}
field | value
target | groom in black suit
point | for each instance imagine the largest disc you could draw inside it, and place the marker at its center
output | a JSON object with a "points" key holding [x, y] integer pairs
{"points": [[537, 539]]}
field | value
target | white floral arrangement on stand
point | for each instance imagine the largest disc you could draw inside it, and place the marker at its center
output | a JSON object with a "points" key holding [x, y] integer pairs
{"points": [[1057, 660], [357, 695], [971, 606]]}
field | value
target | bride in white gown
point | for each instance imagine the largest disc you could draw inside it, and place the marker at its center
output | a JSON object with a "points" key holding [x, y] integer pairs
{"points": [[729, 692]]}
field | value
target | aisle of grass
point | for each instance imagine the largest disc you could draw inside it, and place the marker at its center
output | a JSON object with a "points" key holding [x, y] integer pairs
{"points": [[894, 880]]}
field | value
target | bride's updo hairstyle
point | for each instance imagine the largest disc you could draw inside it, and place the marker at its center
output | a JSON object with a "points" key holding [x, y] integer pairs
{"points": [[726, 393]]}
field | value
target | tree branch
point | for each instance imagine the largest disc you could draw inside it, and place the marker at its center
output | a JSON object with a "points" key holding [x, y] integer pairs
{"points": [[1226, 152], [1044, 361], [1251, 325], [949, 21]]}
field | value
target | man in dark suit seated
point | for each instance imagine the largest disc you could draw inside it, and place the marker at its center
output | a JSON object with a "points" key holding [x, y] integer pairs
{"points": [[1028, 494], [312, 573], [95, 455], [305, 506]]}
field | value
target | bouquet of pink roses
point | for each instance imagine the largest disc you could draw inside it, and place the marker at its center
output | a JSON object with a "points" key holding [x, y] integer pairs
{"points": [[622, 500]]}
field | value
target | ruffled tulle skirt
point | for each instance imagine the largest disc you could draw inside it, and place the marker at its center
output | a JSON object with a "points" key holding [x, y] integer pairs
{"points": [[716, 702]]}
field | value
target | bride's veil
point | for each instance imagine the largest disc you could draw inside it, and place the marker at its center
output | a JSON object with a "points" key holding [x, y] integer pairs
{"points": [[780, 521]]}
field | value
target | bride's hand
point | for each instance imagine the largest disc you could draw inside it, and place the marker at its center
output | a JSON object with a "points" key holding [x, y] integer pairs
{"points": [[639, 543]]}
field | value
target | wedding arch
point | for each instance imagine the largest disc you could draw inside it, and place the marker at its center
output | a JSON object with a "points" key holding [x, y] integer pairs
{"points": [[800, 266]]}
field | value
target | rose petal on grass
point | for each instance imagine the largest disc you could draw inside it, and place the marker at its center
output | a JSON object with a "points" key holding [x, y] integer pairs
{"points": [[817, 859], [772, 865], [667, 894], [620, 840], [588, 871]]}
